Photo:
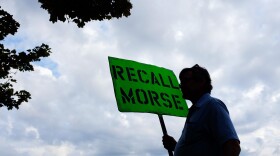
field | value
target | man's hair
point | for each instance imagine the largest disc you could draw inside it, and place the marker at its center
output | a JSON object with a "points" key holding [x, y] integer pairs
{"points": [[199, 73]]}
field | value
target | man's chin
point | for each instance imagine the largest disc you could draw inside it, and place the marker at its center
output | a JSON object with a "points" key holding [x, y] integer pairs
{"points": [[184, 96]]}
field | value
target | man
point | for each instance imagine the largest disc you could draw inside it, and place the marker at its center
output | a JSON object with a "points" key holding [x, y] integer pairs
{"points": [[208, 130]]}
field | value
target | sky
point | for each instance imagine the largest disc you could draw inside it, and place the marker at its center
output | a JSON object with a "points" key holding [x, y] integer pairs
{"points": [[73, 111]]}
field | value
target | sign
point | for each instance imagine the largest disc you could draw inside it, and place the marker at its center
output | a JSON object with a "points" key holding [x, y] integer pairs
{"points": [[147, 88]]}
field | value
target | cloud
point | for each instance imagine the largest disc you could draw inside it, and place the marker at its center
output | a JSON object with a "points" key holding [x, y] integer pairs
{"points": [[73, 110]]}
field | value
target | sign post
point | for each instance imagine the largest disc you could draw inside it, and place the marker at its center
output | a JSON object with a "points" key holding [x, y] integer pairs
{"points": [[164, 131], [146, 88]]}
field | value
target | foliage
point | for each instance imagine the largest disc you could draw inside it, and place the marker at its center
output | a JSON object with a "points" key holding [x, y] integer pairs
{"points": [[82, 11], [77, 11], [11, 61]]}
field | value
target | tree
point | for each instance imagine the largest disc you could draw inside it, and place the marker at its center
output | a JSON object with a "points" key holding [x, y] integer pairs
{"points": [[82, 11], [77, 11], [12, 61]]}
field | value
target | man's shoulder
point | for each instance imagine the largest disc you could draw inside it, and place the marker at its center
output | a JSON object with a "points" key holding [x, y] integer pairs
{"points": [[214, 103]]}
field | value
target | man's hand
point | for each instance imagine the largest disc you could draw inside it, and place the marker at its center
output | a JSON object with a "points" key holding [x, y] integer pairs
{"points": [[231, 148], [169, 142]]}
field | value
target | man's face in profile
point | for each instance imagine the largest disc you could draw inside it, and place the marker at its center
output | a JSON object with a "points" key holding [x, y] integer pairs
{"points": [[189, 86]]}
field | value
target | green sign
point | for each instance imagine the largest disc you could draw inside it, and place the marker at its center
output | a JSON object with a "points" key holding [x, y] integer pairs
{"points": [[146, 88]]}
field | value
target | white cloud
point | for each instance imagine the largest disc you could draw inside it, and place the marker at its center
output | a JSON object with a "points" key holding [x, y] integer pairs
{"points": [[33, 132], [63, 149], [255, 92], [44, 72], [73, 110]]}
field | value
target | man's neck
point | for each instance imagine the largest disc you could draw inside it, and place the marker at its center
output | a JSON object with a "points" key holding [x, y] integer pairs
{"points": [[195, 99]]}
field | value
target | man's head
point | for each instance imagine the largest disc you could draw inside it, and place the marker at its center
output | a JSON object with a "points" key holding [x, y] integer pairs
{"points": [[195, 81]]}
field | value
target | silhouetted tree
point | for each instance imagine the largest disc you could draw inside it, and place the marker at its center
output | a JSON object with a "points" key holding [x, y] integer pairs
{"points": [[77, 11], [12, 61], [82, 11]]}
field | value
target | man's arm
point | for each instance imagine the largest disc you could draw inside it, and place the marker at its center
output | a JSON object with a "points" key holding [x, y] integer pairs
{"points": [[231, 148], [169, 142]]}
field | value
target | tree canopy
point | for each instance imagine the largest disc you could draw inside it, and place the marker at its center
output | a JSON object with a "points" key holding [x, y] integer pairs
{"points": [[12, 61], [84, 11], [77, 11]]}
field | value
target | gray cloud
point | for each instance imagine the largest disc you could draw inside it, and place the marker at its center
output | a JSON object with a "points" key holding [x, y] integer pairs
{"points": [[75, 113]]}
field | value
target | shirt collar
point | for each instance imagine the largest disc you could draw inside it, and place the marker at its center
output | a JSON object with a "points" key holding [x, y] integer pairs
{"points": [[203, 99]]}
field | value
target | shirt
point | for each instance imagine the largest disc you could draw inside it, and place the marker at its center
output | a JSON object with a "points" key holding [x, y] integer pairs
{"points": [[207, 127]]}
